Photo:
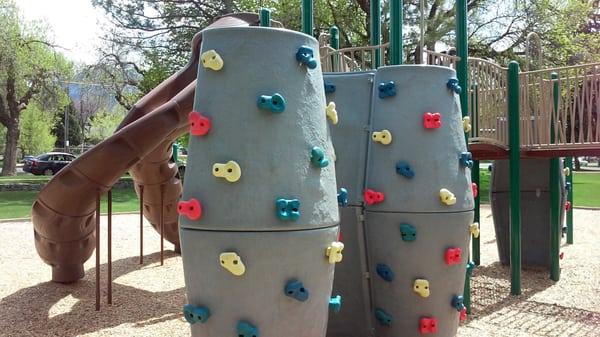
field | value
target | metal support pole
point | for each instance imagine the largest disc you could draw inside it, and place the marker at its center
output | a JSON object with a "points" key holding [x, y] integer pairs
{"points": [[334, 42], [162, 225], [514, 144], [420, 58], [265, 17], [98, 250], [462, 50], [475, 177], [569, 164], [467, 290], [141, 188], [554, 192], [376, 30], [109, 248], [396, 16], [307, 16]]}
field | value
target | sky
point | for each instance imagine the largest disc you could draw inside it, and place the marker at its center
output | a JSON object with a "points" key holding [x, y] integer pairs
{"points": [[76, 25]]}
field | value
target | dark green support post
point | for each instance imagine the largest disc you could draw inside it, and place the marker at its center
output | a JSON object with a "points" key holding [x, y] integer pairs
{"points": [[396, 16], [569, 164], [514, 144], [307, 17], [265, 17], [554, 193], [475, 177], [175, 148], [376, 30], [467, 290], [462, 51], [334, 42]]}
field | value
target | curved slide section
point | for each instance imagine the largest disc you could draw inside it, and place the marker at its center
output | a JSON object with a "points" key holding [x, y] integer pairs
{"points": [[64, 212]]}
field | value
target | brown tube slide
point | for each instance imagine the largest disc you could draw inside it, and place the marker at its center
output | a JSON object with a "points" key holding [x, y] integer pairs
{"points": [[64, 213]]}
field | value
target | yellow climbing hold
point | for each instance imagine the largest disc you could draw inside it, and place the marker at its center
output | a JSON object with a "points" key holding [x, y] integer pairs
{"points": [[467, 124], [233, 263], [567, 171], [334, 252], [212, 60], [231, 171], [421, 287], [332, 113], [447, 197], [384, 137], [474, 229]]}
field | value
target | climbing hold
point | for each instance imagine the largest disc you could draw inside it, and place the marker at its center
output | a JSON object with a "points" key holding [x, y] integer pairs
{"points": [[408, 232], [245, 329], [387, 89], [329, 87], [432, 120], [335, 303], [466, 159], [454, 86], [427, 325], [384, 137], [470, 267], [421, 287], [568, 206], [404, 169], [287, 209], [212, 60], [561, 255], [192, 209], [458, 302], [463, 314], [233, 263], [199, 124], [295, 289], [447, 197], [383, 317], [231, 171], [317, 157], [306, 56], [373, 197], [275, 103], [194, 314], [568, 186], [334, 252], [475, 190], [332, 113], [466, 124], [385, 272], [474, 230], [342, 197], [453, 255], [567, 171]]}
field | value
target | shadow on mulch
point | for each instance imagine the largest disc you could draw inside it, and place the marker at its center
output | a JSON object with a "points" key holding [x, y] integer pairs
{"points": [[27, 312]]}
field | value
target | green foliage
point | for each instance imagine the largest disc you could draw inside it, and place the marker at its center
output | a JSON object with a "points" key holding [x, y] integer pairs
{"points": [[2, 137], [36, 136], [58, 130], [103, 124]]}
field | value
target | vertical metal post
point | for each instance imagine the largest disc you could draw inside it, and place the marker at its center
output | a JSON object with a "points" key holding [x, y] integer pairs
{"points": [[467, 289], [109, 248], [514, 144], [569, 164], [141, 188], [334, 42], [265, 17], [98, 195], [475, 177], [420, 57], [307, 17], [376, 30], [462, 51], [162, 225], [554, 192], [396, 16]]}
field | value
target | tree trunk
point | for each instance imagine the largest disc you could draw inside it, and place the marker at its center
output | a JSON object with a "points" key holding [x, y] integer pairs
{"points": [[9, 166]]}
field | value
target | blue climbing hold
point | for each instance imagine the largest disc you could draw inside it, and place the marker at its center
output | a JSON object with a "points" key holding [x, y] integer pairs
{"points": [[295, 289], [454, 86], [470, 267], [194, 314], [287, 209], [245, 329], [387, 89], [408, 232], [466, 159], [306, 56], [317, 157], [458, 302], [275, 103], [383, 317], [329, 87], [342, 197], [335, 303], [568, 186], [385, 272], [403, 168]]}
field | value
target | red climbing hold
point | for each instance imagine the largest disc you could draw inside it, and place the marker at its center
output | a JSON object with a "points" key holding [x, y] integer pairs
{"points": [[373, 197], [463, 314], [192, 209], [561, 255], [453, 255], [568, 206], [428, 325], [475, 190], [199, 124], [432, 120]]}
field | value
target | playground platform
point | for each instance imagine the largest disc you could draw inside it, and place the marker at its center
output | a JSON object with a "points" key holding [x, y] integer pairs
{"points": [[148, 299]]}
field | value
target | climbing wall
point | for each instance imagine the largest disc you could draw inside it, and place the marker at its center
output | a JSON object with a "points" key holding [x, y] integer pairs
{"points": [[259, 209]]}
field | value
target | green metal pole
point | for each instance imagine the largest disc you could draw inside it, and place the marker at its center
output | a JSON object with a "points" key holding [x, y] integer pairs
{"points": [[554, 193], [462, 51], [569, 164], [175, 147], [475, 177], [307, 16], [376, 29], [334, 42], [467, 289], [265, 17], [396, 16], [514, 144]]}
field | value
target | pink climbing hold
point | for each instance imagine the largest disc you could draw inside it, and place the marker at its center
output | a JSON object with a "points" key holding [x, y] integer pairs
{"points": [[453, 255], [561, 255], [192, 209], [428, 325], [432, 120], [373, 197], [463, 314], [475, 190], [568, 206], [199, 124]]}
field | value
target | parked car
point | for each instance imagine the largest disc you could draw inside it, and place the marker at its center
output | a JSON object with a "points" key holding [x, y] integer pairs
{"points": [[48, 163], [26, 158]]}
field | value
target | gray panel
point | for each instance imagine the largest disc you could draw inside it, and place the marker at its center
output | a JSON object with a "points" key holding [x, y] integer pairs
{"points": [[535, 175], [432, 153], [350, 136], [419, 259], [272, 149], [271, 259]]}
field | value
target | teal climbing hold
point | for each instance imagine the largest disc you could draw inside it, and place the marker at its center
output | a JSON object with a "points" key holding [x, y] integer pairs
{"points": [[245, 329], [318, 158], [275, 103], [385, 272], [383, 317], [408, 232], [194, 314], [342, 197], [458, 302], [296, 290], [306, 55], [454, 86], [287, 209], [335, 303]]}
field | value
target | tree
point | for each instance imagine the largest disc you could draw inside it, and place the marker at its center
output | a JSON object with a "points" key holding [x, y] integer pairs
{"points": [[104, 123], [36, 136], [75, 134]]}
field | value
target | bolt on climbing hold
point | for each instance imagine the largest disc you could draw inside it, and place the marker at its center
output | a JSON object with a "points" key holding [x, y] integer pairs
{"points": [[387, 89], [474, 230], [335, 303], [453, 85], [329, 87], [462, 316], [403, 168], [567, 206], [199, 124], [421, 287], [212, 60], [447, 197], [296, 290], [275, 103], [452, 256], [385, 272], [233, 263], [466, 159], [194, 314], [567, 171], [384, 137], [475, 190], [383, 317], [305, 55], [342, 197], [408, 232], [245, 329], [334, 252], [331, 113], [432, 120], [373, 197], [466, 124], [427, 325], [458, 302], [317, 157], [192, 209], [230, 171], [287, 209]]}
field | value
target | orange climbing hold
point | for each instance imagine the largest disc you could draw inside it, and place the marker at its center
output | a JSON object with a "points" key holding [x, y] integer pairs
{"points": [[192, 209], [199, 124]]}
